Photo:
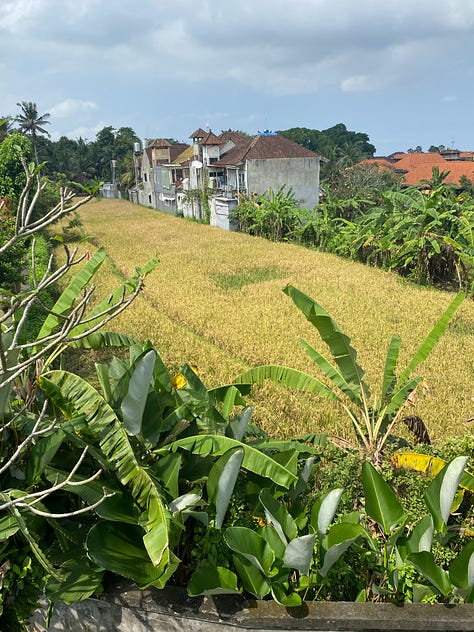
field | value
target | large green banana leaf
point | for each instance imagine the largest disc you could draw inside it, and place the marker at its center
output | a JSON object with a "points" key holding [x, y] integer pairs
{"points": [[339, 344], [101, 339], [76, 397], [253, 459], [69, 296], [381, 504], [332, 373], [389, 376], [286, 376], [117, 548]]}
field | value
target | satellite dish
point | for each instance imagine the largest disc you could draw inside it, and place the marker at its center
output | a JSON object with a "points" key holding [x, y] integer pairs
{"points": [[196, 164]]}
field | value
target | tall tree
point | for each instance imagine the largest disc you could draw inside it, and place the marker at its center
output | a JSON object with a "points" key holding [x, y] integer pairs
{"points": [[5, 124], [12, 174], [31, 123], [340, 147]]}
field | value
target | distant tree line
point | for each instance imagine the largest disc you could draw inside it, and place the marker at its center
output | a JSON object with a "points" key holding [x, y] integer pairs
{"points": [[89, 162], [73, 160], [339, 147]]}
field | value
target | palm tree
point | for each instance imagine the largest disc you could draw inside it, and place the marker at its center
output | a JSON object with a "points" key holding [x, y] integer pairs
{"points": [[31, 123]]}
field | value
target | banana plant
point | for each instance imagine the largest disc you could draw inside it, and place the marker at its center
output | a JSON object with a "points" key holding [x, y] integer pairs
{"points": [[397, 545], [292, 548], [372, 418], [170, 451]]}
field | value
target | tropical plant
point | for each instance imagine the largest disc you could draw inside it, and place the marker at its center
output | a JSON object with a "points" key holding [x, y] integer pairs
{"points": [[32, 123], [425, 235], [12, 174], [5, 125], [271, 215], [26, 427], [172, 452], [397, 546], [430, 466], [372, 418], [297, 545]]}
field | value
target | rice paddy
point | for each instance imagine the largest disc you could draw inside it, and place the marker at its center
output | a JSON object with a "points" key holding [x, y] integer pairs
{"points": [[215, 300]]}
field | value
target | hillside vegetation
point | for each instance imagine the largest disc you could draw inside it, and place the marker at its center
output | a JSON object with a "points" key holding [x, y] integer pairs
{"points": [[215, 301]]}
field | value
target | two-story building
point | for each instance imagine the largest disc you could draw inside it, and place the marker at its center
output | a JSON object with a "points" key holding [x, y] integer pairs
{"points": [[155, 185], [222, 167]]}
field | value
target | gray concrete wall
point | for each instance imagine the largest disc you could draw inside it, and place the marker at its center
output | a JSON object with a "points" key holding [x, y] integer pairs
{"points": [[126, 609], [301, 174], [220, 209]]}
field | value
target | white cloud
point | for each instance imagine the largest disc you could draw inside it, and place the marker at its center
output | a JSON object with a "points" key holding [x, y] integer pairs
{"points": [[175, 58], [357, 83], [72, 107], [17, 15]]}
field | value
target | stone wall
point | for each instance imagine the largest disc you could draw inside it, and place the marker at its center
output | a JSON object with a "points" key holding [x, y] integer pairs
{"points": [[125, 609]]}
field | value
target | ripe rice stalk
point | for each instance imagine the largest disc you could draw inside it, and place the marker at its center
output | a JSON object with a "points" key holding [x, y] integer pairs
{"points": [[215, 300]]}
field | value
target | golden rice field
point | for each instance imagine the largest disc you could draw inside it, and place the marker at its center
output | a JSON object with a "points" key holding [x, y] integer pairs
{"points": [[215, 300]]}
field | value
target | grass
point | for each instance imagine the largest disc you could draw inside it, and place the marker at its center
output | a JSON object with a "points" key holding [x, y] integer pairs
{"points": [[236, 280], [215, 300]]}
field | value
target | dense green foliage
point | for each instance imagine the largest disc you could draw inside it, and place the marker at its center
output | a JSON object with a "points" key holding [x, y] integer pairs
{"points": [[272, 215], [67, 161], [12, 174], [339, 147], [426, 235], [156, 478], [87, 162]]}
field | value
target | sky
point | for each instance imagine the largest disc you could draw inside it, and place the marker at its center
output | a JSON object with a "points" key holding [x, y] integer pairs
{"points": [[401, 71]]}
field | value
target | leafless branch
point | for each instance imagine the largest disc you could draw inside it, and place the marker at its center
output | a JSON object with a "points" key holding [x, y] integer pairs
{"points": [[24, 226], [40, 496], [69, 514], [36, 432]]}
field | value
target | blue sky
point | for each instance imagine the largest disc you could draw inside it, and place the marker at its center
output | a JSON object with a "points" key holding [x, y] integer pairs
{"points": [[401, 71]]}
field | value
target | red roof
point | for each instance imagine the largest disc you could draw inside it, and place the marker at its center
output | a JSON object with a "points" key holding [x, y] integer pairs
{"points": [[176, 149], [419, 166]]}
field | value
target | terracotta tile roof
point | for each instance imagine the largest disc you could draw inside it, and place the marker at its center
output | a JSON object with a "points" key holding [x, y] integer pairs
{"points": [[419, 166], [210, 139], [236, 137], [199, 133], [265, 148], [159, 143], [382, 163]]}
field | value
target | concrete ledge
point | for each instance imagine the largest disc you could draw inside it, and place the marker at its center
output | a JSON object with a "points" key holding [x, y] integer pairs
{"points": [[126, 609]]}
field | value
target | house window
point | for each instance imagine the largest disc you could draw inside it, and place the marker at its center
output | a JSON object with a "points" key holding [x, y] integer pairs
{"points": [[145, 177], [149, 198]]}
